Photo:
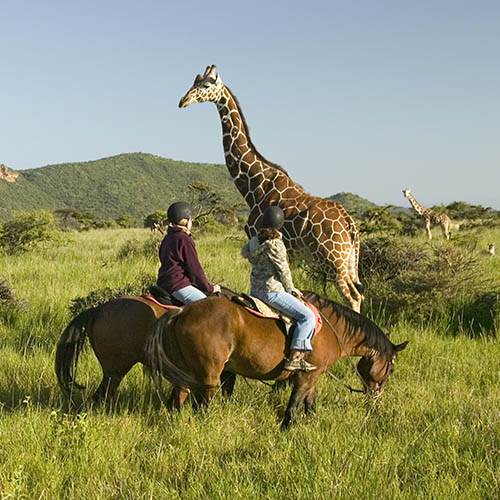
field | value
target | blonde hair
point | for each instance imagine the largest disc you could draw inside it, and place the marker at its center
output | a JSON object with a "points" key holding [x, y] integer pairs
{"points": [[268, 233]]}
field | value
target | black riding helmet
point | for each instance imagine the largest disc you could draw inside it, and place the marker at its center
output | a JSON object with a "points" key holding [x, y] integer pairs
{"points": [[178, 211], [273, 218]]}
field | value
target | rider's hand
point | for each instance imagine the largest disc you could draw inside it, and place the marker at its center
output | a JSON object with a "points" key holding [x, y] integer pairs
{"points": [[216, 289], [297, 293]]}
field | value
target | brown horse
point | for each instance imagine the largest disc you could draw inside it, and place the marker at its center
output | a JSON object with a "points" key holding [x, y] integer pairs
{"points": [[216, 334], [117, 331]]}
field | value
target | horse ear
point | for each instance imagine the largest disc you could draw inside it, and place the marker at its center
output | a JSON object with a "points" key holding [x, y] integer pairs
{"points": [[401, 346]]}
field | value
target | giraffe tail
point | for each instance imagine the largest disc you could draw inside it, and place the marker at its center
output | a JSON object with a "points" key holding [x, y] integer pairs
{"points": [[354, 261]]}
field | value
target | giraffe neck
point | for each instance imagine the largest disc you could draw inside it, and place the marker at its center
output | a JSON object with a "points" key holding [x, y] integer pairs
{"points": [[251, 172], [418, 208]]}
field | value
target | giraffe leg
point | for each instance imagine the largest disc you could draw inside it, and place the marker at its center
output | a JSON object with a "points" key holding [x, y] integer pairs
{"points": [[445, 229], [428, 227], [349, 291]]}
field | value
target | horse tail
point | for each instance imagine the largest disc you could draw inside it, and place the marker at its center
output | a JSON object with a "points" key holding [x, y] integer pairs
{"points": [[157, 360], [69, 347]]}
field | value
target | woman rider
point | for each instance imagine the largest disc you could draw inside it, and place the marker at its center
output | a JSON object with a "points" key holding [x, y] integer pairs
{"points": [[180, 272], [271, 282]]}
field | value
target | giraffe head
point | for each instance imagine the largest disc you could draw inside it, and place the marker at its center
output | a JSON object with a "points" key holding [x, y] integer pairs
{"points": [[205, 88], [406, 192]]}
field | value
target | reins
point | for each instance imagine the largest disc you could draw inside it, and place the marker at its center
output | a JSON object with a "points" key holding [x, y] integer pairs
{"points": [[348, 355]]}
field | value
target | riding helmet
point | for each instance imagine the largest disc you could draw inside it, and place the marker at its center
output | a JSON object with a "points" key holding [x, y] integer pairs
{"points": [[273, 218], [178, 211]]}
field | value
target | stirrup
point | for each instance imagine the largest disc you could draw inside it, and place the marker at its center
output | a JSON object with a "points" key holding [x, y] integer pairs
{"points": [[296, 364]]}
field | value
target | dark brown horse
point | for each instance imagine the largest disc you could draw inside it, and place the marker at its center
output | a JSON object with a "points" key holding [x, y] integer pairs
{"points": [[216, 334], [117, 331]]}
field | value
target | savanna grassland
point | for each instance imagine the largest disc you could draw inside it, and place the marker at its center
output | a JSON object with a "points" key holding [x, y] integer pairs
{"points": [[435, 433]]}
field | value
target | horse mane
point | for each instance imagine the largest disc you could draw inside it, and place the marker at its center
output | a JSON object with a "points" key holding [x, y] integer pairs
{"points": [[249, 140], [374, 336]]}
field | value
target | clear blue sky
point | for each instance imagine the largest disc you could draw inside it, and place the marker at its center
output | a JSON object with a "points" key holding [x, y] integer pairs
{"points": [[368, 97]]}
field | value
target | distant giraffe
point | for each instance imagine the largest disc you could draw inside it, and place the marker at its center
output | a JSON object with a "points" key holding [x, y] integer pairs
{"points": [[315, 228], [429, 216]]}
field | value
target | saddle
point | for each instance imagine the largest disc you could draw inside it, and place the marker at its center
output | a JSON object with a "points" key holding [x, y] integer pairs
{"points": [[161, 297], [261, 309]]}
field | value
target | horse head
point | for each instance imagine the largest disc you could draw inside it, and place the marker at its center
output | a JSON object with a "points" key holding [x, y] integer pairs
{"points": [[375, 370]]}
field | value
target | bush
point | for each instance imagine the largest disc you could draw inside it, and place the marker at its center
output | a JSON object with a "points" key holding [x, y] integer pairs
{"points": [[379, 220], [97, 297], [136, 248], [127, 221], [27, 230], [9, 304], [422, 281], [479, 317], [157, 217]]}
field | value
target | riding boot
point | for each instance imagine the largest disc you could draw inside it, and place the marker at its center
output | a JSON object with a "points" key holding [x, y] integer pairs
{"points": [[297, 362]]}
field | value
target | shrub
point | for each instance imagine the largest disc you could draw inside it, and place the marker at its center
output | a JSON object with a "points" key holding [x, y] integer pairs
{"points": [[157, 217], [379, 220], [27, 230], [136, 248], [97, 297], [423, 281], [9, 304], [479, 317], [127, 221]]}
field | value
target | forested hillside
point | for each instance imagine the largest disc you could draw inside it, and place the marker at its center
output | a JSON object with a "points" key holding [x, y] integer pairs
{"points": [[133, 184], [353, 203], [128, 184]]}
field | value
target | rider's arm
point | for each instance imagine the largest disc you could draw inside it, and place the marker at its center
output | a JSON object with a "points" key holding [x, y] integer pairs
{"points": [[193, 267], [277, 255]]}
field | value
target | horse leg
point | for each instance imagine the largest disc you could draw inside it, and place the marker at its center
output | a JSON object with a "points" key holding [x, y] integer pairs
{"points": [[310, 401], [296, 398], [177, 398], [280, 385], [107, 388], [227, 381], [201, 397]]}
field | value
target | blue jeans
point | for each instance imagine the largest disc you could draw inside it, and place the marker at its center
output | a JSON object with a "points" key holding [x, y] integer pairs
{"points": [[189, 294], [293, 307]]}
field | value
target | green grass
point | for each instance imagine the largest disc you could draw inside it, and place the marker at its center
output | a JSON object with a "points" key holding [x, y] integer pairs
{"points": [[435, 433]]}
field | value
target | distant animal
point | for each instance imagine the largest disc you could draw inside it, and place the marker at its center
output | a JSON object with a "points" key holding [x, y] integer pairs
{"points": [[317, 229], [191, 349], [490, 251], [429, 216], [456, 225]]}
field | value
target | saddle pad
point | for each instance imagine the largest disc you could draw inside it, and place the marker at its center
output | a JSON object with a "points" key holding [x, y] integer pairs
{"points": [[265, 311], [152, 299]]}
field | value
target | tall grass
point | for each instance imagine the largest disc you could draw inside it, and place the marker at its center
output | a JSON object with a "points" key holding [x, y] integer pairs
{"points": [[435, 433]]}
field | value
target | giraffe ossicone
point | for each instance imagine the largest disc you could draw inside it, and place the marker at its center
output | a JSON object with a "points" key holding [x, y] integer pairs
{"points": [[316, 229]]}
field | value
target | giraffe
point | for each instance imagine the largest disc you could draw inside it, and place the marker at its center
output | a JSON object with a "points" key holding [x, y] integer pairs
{"points": [[315, 228], [429, 216]]}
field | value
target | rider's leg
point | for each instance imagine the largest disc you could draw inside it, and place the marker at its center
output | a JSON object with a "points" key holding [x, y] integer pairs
{"points": [[304, 328], [189, 294]]}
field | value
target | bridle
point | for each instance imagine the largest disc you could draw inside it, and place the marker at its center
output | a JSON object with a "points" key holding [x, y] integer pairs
{"points": [[341, 343]]}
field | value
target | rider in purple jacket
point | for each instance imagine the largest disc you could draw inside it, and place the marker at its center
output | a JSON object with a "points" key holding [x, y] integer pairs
{"points": [[180, 272]]}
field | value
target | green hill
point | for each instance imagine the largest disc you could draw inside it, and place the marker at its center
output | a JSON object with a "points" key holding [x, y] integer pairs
{"points": [[353, 203], [133, 184], [128, 184]]}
